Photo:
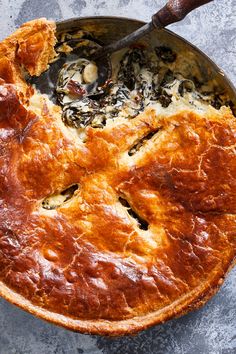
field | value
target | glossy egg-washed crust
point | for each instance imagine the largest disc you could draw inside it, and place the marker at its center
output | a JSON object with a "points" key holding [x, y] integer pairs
{"points": [[88, 265]]}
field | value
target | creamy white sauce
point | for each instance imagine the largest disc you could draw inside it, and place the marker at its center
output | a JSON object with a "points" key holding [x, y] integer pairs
{"points": [[141, 78]]}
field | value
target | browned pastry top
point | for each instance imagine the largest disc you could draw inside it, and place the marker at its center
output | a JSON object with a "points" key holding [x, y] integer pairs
{"points": [[145, 237]]}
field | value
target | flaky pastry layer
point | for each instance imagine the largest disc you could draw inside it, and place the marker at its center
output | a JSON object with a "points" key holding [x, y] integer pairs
{"points": [[90, 264]]}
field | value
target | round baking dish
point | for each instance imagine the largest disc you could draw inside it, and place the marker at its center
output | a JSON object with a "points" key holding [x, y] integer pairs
{"points": [[108, 29]]}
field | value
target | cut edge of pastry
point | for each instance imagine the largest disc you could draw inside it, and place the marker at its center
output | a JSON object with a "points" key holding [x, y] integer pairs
{"points": [[31, 46]]}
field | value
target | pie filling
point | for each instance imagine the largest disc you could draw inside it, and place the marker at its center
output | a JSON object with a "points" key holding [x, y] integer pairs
{"points": [[141, 77], [56, 200]]}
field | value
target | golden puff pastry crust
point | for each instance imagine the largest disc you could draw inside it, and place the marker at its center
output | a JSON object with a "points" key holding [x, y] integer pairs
{"points": [[143, 238]]}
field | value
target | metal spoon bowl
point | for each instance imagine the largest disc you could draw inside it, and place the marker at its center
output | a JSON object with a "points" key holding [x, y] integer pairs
{"points": [[47, 83]]}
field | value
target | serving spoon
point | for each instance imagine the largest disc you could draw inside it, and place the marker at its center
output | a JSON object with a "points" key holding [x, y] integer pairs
{"points": [[173, 11]]}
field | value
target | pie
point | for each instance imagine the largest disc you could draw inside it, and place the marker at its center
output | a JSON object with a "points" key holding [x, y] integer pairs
{"points": [[117, 213]]}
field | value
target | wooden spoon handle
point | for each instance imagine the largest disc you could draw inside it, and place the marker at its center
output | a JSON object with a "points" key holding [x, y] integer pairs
{"points": [[174, 11]]}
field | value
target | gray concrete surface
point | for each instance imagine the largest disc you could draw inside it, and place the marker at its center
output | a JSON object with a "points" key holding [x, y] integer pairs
{"points": [[212, 329]]}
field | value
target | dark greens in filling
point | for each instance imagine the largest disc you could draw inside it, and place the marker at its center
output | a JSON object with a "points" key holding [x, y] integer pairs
{"points": [[144, 78]]}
